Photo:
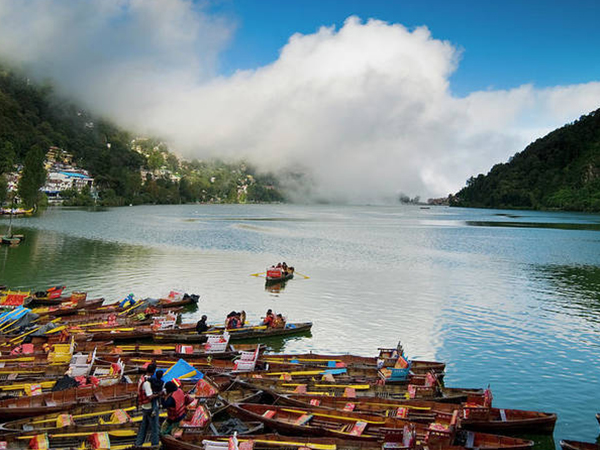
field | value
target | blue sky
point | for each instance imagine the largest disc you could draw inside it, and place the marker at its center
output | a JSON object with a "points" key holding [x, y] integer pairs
{"points": [[505, 43]]}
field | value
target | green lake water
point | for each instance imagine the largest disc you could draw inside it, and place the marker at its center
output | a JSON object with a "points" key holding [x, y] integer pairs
{"points": [[509, 299]]}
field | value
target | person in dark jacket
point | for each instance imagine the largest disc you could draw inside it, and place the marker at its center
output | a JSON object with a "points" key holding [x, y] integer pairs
{"points": [[201, 326]]}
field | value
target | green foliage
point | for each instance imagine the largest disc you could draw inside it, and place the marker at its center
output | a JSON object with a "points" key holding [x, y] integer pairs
{"points": [[7, 157], [558, 171], [74, 198], [33, 177], [3, 189]]}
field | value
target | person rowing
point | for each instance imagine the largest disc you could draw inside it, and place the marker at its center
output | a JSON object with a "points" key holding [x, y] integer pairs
{"points": [[269, 317]]}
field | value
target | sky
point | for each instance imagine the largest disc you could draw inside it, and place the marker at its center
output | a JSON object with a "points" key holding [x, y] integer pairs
{"points": [[366, 99]]}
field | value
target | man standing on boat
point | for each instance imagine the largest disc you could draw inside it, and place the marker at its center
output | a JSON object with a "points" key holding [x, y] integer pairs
{"points": [[148, 400]]}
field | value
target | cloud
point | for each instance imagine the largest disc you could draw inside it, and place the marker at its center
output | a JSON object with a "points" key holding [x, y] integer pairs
{"points": [[365, 110]]}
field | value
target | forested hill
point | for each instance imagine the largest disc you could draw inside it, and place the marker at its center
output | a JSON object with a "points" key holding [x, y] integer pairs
{"points": [[558, 171], [125, 169]]}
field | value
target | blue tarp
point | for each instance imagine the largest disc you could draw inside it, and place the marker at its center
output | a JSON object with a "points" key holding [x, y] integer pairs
{"points": [[182, 370], [15, 314]]}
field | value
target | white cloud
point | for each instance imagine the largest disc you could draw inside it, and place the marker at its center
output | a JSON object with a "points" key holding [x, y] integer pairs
{"points": [[367, 109]]}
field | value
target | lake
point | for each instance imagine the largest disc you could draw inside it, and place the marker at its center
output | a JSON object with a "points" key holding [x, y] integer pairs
{"points": [[506, 298]]}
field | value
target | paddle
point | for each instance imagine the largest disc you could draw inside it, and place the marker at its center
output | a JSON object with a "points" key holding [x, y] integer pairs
{"points": [[257, 274], [306, 277]]}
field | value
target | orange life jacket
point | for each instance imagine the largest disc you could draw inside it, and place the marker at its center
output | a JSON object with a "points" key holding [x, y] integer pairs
{"points": [[178, 411]]}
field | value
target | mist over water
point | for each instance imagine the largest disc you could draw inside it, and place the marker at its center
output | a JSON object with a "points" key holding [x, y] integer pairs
{"points": [[517, 307]]}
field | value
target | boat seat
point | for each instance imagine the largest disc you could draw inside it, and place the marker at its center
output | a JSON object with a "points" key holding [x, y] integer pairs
{"points": [[215, 445], [50, 402], [100, 397]]}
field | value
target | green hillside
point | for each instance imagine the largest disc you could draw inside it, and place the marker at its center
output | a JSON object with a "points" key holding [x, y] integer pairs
{"points": [[33, 119], [559, 171]]}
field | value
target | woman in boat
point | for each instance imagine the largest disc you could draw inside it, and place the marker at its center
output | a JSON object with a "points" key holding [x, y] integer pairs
{"points": [[279, 321], [231, 321]]}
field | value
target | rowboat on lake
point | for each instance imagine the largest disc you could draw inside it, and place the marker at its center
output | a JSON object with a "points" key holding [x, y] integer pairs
{"points": [[236, 334], [278, 273]]}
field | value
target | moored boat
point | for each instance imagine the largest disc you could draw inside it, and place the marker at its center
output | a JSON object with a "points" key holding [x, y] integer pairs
{"points": [[350, 425], [578, 445], [16, 408], [193, 441]]}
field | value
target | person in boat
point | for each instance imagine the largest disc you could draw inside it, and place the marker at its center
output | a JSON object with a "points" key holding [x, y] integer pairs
{"points": [[231, 321], [175, 402], [278, 266], [127, 301], [279, 321], [284, 266], [241, 318], [269, 317], [201, 326], [157, 382], [148, 401]]}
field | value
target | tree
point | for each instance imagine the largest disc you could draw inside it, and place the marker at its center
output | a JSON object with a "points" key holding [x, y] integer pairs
{"points": [[3, 189], [7, 157], [33, 177]]}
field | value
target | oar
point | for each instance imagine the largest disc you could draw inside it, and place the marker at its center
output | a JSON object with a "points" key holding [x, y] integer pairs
{"points": [[306, 277], [257, 274]]}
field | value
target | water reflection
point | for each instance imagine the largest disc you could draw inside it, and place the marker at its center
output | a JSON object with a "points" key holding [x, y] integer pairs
{"points": [[275, 288], [574, 289], [549, 225]]}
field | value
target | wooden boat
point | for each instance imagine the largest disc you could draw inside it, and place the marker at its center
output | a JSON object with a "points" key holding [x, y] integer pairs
{"points": [[236, 334], [417, 367], [185, 300], [119, 439], [507, 421], [278, 274], [81, 415], [391, 391], [65, 309], [12, 239], [16, 211], [17, 408], [180, 351], [193, 441], [475, 418], [578, 445], [350, 425]]}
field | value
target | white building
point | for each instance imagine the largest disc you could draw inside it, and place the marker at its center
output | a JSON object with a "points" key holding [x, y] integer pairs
{"points": [[58, 181]]}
